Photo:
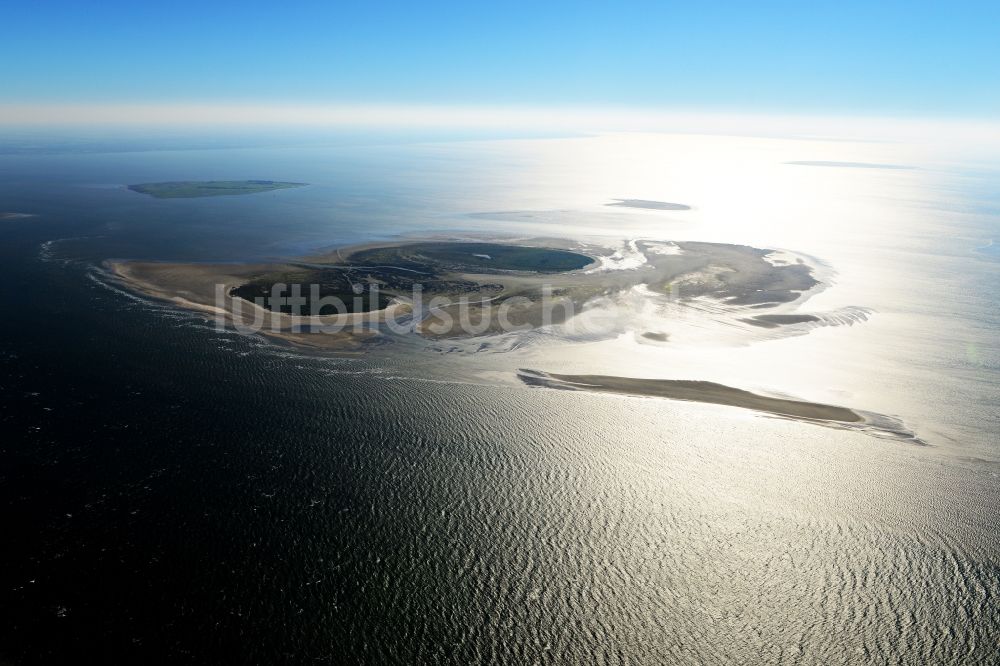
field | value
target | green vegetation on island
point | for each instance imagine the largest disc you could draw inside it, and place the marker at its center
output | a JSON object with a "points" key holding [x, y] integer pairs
{"points": [[470, 289], [189, 189], [369, 278], [352, 294], [472, 257]]}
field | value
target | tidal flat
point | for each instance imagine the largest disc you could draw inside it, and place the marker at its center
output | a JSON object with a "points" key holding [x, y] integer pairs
{"points": [[442, 285], [224, 485], [694, 391], [348, 299]]}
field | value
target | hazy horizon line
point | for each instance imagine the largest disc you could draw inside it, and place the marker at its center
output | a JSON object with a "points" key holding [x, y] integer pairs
{"points": [[566, 118]]}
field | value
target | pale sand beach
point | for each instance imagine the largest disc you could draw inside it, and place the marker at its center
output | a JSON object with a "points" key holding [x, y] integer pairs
{"points": [[195, 287], [468, 294], [648, 205], [693, 391]]}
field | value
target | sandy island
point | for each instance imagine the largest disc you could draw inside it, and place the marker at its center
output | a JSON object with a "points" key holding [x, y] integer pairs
{"points": [[693, 391], [648, 205], [375, 281], [203, 287], [498, 286], [847, 165]]}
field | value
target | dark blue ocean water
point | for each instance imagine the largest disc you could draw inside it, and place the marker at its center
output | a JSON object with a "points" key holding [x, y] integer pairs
{"points": [[172, 494]]}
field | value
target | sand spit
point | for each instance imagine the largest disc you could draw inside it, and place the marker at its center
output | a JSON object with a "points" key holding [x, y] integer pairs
{"points": [[206, 288], [776, 320], [693, 391], [648, 205]]}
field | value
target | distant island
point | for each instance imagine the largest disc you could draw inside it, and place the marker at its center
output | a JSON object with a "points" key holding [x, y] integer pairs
{"points": [[648, 205], [190, 189], [847, 165]]}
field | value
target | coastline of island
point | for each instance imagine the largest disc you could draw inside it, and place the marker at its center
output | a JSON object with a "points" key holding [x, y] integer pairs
{"points": [[193, 189], [502, 283], [693, 391], [372, 283]]}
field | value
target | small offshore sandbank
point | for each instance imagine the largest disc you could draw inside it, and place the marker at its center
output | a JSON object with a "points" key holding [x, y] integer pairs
{"points": [[693, 391], [14, 216], [648, 205], [848, 165], [776, 320]]}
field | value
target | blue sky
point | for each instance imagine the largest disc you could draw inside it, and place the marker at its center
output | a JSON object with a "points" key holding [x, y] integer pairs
{"points": [[914, 58]]}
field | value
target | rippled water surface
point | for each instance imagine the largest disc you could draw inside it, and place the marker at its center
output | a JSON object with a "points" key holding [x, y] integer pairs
{"points": [[175, 494]]}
